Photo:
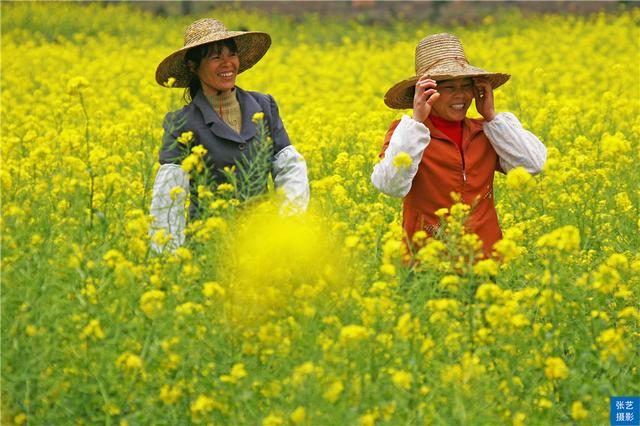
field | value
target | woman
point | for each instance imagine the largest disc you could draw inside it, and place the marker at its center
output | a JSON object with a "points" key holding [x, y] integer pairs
{"points": [[448, 151], [220, 118]]}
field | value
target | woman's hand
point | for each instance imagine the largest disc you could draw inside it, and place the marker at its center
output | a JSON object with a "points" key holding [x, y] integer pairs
{"points": [[424, 98], [483, 93]]}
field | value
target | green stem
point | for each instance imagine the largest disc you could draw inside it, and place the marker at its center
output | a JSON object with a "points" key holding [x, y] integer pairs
{"points": [[89, 167]]}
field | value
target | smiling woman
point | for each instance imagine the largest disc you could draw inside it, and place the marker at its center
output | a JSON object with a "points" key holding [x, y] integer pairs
{"points": [[217, 130], [454, 100], [449, 152], [215, 67]]}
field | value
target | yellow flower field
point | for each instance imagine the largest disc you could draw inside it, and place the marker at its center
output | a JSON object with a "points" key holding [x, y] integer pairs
{"points": [[313, 320]]}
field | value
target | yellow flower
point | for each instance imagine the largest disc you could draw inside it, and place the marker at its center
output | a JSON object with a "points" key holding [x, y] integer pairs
{"points": [[212, 288], [612, 345], [368, 419], [204, 192], [273, 420], [93, 329], [519, 419], [199, 150], [402, 379], [20, 419], [388, 269], [488, 291], [578, 412], [405, 326], [201, 406], [170, 82], [351, 241], [623, 202], [442, 212], [334, 391], [544, 403], [176, 192], [566, 238], [170, 394], [450, 282], [556, 369], [111, 409], [298, 415], [353, 333], [487, 267], [188, 308], [75, 84], [302, 371], [402, 161], [258, 116], [152, 303], [519, 179], [185, 138], [31, 330], [128, 361], [519, 321], [225, 187], [237, 373], [629, 312]]}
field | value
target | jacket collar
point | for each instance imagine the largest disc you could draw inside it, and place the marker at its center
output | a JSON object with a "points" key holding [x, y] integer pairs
{"points": [[248, 107]]}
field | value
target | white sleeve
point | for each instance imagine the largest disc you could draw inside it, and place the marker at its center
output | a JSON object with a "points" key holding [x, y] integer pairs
{"points": [[514, 145], [412, 138], [168, 209], [290, 174]]}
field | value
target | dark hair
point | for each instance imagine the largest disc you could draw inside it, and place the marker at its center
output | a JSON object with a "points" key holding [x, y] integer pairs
{"points": [[196, 55]]}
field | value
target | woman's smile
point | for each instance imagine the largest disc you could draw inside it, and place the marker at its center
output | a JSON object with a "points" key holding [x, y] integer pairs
{"points": [[455, 99], [218, 72]]}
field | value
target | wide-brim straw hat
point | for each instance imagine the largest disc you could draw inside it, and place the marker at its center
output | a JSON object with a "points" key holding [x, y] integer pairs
{"points": [[440, 57], [252, 45]]}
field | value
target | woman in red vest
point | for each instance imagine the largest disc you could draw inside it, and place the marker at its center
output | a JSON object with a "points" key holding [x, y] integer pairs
{"points": [[445, 152]]}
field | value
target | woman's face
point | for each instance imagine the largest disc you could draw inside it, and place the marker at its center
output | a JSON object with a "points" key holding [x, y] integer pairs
{"points": [[217, 72], [455, 99]]}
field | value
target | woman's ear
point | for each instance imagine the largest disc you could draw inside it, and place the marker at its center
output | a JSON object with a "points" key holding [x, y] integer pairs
{"points": [[192, 66]]}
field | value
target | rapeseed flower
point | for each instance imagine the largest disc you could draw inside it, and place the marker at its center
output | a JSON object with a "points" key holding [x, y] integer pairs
{"points": [[402, 160], [93, 329], [612, 345], [238, 372], [299, 415], [578, 412], [273, 420], [353, 333], [152, 303], [333, 391], [129, 361], [402, 379], [518, 179], [555, 369]]}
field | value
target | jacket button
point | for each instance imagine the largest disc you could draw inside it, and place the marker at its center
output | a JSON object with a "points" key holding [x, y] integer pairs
{"points": [[242, 146]]}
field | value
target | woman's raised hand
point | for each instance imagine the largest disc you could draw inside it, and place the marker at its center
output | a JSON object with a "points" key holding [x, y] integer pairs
{"points": [[424, 98], [483, 93]]}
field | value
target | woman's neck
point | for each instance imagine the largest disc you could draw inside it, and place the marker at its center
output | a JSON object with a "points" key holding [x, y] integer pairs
{"points": [[443, 122], [452, 129], [220, 94]]}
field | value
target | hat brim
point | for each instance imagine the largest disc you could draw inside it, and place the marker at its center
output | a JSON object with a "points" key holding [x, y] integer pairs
{"points": [[252, 45], [400, 96]]}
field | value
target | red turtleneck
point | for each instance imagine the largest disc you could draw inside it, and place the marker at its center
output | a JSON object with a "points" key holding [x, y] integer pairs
{"points": [[453, 129]]}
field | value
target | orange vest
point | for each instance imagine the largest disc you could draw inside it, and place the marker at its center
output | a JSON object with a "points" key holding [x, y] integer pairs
{"points": [[441, 172]]}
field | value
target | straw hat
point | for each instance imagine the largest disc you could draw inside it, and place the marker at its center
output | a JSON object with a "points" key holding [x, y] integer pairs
{"points": [[252, 46], [440, 57]]}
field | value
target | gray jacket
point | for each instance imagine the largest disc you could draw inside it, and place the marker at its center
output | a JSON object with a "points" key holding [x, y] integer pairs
{"points": [[225, 147]]}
